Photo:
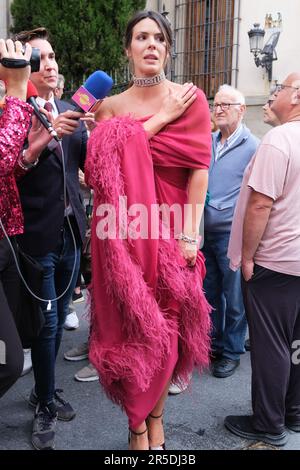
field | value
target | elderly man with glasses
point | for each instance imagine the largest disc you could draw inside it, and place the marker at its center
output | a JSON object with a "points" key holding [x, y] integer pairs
{"points": [[265, 242], [233, 145]]}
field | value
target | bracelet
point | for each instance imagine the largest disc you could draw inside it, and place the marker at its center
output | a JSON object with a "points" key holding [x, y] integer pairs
{"points": [[24, 164], [187, 239]]}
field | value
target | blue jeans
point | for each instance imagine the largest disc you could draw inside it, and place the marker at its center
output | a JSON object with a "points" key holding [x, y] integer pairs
{"points": [[223, 291], [58, 267]]}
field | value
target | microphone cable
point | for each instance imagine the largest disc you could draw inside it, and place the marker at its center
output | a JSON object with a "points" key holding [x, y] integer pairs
{"points": [[49, 301]]}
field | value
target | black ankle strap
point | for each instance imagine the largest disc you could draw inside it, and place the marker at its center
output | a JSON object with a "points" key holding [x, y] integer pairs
{"points": [[155, 417], [138, 433]]}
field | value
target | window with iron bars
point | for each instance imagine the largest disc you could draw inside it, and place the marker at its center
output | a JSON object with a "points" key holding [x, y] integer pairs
{"points": [[204, 41]]}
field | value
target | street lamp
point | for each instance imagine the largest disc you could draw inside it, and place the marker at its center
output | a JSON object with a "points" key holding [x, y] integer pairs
{"points": [[267, 51]]}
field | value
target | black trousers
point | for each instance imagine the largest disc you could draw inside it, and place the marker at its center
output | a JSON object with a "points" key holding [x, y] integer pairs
{"points": [[272, 303], [11, 352]]}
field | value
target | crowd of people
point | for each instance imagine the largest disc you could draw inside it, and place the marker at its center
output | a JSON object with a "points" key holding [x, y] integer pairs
{"points": [[159, 305]]}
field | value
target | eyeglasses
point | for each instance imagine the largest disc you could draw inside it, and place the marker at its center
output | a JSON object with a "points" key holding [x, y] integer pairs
{"points": [[279, 87], [223, 106], [269, 102]]}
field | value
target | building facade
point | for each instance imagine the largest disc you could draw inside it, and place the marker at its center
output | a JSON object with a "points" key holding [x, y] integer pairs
{"points": [[211, 45], [5, 18]]}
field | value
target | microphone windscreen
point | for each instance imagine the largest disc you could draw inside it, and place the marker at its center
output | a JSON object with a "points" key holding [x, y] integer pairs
{"points": [[31, 90], [99, 84]]}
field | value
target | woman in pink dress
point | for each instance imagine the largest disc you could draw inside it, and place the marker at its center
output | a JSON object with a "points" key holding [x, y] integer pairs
{"points": [[148, 158]]}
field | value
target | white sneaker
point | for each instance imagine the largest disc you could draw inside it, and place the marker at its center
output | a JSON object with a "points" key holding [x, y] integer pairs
{"points": [[72, 321], [176, 389], [27, 361]]}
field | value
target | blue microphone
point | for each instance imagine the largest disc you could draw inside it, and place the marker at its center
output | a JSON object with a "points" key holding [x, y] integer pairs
{"points": [[95, 88]]}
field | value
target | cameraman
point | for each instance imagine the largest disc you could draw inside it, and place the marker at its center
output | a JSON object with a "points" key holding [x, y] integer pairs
{"points": [[14, 125]]}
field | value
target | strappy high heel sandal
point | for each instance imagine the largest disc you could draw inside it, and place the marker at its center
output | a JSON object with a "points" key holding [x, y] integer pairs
{"points": [[161, 446], [135, 433]]}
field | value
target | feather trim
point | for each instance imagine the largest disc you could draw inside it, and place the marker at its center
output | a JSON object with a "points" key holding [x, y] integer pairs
{"points": [[146, 327]]}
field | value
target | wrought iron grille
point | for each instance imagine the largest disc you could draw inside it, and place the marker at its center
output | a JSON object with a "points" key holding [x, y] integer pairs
{"points": [[204, 41]]}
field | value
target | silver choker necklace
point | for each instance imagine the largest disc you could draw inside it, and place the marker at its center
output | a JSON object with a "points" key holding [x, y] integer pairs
{"points": [[142, 82]]}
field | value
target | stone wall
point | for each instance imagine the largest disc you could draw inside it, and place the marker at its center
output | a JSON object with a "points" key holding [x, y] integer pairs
{"points": [[254, 120]]}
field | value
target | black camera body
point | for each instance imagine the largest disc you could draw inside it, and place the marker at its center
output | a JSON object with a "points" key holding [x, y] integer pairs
{"points": [[35, 61]]}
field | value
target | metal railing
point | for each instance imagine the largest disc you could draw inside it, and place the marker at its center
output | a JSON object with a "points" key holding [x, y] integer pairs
{"points": [[121, 78], [204, 43]]}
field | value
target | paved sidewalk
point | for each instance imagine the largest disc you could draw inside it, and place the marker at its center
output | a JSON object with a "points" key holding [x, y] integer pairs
{"points": [[193, 419]]}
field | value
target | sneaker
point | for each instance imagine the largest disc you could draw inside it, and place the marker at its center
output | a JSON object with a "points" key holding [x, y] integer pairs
{"points": [[214, 357], [63, 409], [78, 353], [242, 426], [293, 425], [43, 432], [27, 362], [87, 374], [77, 297], [225, 367], [72, 321], [176, 389]]}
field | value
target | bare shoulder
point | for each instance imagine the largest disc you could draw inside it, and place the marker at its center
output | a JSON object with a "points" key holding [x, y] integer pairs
{"points": [[175, 86], [104, 110], [178, 86], [112, 106]]}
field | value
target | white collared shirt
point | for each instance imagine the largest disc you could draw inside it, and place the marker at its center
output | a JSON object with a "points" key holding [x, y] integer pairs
{"points": [[222, 148], [41, 102]]}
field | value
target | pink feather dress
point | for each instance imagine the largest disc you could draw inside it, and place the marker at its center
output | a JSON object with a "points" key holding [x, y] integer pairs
{"points": [[150, 320]]}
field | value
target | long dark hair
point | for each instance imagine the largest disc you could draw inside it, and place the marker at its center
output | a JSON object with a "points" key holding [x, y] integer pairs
{"points": [[159, 19]]}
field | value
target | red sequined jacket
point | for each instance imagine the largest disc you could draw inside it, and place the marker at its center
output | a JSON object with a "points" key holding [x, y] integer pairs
{"points": [[14, 124]]}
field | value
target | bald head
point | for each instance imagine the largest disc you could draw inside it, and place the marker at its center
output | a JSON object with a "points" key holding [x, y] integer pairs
{"points": [[286, 104], [293, 78]]}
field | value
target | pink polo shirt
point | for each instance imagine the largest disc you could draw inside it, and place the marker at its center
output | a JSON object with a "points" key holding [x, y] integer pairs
{"points": [[274, 171]]}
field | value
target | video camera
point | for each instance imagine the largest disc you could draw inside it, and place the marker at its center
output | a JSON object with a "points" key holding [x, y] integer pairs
{"points": [[35, 61]]}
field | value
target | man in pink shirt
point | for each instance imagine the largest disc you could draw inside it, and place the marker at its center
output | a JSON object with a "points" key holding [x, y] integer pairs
{"points": [[265, 242]]}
